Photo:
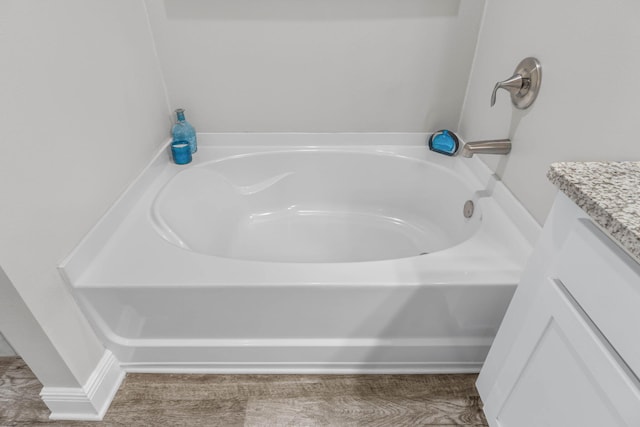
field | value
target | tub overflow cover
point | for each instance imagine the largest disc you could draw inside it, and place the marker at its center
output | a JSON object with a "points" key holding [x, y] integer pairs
{"points": [[467, 210]]}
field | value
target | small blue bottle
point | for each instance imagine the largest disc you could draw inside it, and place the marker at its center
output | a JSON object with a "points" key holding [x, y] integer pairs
{"points": [[183, 131]]}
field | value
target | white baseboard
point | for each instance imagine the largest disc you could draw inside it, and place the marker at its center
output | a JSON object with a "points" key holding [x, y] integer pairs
{"points": [[91, 401], [329, 368]]}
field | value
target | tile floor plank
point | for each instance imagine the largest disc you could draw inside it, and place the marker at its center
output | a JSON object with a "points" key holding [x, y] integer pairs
{"points": [[259, 400]]}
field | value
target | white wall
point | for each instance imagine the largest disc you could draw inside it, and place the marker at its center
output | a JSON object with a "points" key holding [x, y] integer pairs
{"points": [[587, 108], [83, 110], [31, 341], [317, 65]]}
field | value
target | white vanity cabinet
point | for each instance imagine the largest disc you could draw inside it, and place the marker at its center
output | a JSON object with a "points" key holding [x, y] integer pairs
{"points": [[568, 351]]}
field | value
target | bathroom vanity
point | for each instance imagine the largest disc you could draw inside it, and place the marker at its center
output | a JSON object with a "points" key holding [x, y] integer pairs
{"points": [[568, 350]]}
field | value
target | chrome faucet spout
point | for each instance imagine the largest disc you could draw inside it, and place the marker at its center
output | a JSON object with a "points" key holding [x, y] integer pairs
{"points": [[493, 146]]}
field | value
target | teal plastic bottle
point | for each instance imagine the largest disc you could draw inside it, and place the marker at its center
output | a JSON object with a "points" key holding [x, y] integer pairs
{"points": [[183, 131]]}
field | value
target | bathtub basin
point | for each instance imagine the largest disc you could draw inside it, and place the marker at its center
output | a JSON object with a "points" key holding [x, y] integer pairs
{"points": [[314, 205], [304, 253]]}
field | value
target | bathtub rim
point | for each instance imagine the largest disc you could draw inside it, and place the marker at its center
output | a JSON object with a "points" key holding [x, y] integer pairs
{"points": [[74, 264]]}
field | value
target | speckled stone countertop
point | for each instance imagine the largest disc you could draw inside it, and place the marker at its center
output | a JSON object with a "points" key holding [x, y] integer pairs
{"points": [[609, 192]]}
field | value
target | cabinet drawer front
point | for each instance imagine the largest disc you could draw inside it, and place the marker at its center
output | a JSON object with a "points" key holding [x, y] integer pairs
{"points": [[605, 282]]}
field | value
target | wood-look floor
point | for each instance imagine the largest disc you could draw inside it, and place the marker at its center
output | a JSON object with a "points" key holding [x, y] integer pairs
{"points": [[259, 400]]}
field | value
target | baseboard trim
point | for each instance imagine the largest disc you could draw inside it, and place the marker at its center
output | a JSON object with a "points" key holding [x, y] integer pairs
{"points": [[329, 368], [91, 401]]}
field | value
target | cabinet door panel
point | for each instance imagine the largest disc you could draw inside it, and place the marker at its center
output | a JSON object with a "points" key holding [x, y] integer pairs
{"points": [[562, 372], [605, 282]]}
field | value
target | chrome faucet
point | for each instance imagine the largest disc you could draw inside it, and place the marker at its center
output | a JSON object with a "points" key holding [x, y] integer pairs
{"points": [[493, 146], [523, 86]]}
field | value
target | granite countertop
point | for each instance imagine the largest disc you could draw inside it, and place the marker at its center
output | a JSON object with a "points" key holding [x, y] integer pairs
{"points": [[609, 192]]}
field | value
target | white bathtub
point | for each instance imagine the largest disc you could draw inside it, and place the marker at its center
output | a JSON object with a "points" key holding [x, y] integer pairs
{"points": [[304, 253]]}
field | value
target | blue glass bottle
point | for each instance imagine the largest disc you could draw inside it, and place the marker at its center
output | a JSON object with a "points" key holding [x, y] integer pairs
{"points": [[183, 131]]}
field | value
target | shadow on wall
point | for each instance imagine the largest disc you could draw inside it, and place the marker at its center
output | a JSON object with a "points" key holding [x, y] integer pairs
{"points": [[309, 10], [5, 349], [516, 117]]}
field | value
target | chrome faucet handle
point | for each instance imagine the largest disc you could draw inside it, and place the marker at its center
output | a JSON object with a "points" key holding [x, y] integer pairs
{"points": [[523, 85], [513, 84]]}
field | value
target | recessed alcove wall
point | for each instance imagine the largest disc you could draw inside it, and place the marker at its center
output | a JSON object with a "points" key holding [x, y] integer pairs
{"points": [[317, 66]]}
